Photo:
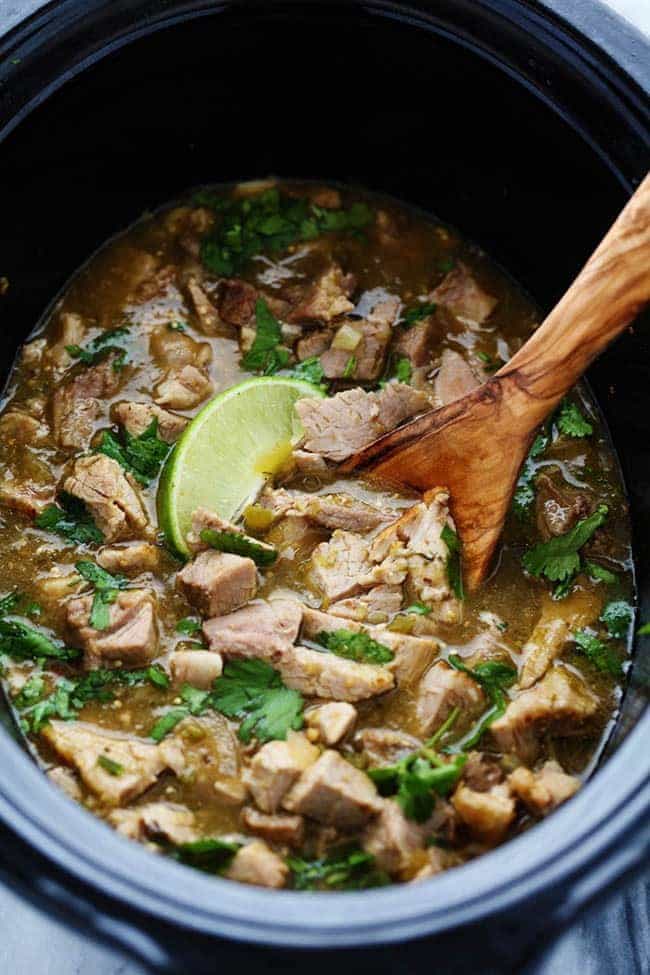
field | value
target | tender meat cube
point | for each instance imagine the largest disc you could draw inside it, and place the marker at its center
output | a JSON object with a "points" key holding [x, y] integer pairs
{"points": [[413, 654], [340, 425], [337, 565], [231, 792], [385, 746], [441, 690], [200, 668], [340, 511], [334, 793], [110, 495], [281, 828], [428, 582], [369, 355], [173, 349], [455, 378], [419, 529], [375, 606], [157, 821], [313, 344], [19, 427], [138, 417], [481, 772], [275, 768], [461, 293], [559, 705], [318, 674], [66, 780], [206, 753], [72, 331], [237, 301], [216, 583], [487, 815], [332, 722], [558, 508], [559, 619], [257, 864], [305, 463], [131, 637], [31, 354], [417, 342], [83, 745], [202, 518], [543, 791], [183, 388], [326, 298], [205, 311], [77, 403], [25, 495], [131, 558], [56, 584], [264, 630], [392, 838]]}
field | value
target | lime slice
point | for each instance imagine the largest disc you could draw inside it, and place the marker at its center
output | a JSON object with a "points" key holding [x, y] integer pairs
{"points": [[237, 441]]}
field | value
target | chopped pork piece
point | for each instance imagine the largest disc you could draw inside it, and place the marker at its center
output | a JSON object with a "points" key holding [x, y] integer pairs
{"points": [[281, 828], [559, 619], [205, 311], [305, 463], [559, 705], [156, 821], [19, 427], [377, 605], [26, 495], [326, 298], [417, 342], [558, 506], [455, 378], [481, 772], [183, 388], [487, 815], [275, 768], [335, 793], [392, 838], [368, 356], [237, 301], [441, 690], [340, 425], [257, 864], [138, 417], [543, 791], [110, 495], [326, 675], [216, 583], [341, 511], [85, 745], [130, 557], [262, 629], [461, 293], [413, 654], [77, 403], [331, 722], [129, 640], [203, 519], [338, 565], [66, 780], [313, 344], [385, 746], [200, 668], [72, 331], [206, 753]]}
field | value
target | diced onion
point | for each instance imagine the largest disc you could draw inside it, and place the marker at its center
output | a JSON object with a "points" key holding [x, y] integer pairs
{"points": [[347, 338]]}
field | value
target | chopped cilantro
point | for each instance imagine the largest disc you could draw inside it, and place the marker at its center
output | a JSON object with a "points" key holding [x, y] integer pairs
{"points": [[266, 355], [211, 854], [70, 519], [490, 364], [109, 765], [418, 609], [238, 544], [454, 561], [494, 676], [525, 490], [350, 367], [310, 371], [559, 559], [355, 646], [23, 642], [9, 602], [617, 617], [101, 346], [644, 630], [31, 692], [418, 312], [571, 422], [403, 370], [599, 573], [177, 326], [140, 456], [189, 626], [352, 869], [106, 588], [167, 723], [599, 653]]}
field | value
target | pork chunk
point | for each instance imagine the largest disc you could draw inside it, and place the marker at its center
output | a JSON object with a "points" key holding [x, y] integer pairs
{"points": [[392, 838], [275, 768], [455, 378], [110, 495], [85, 746], [131, 557], [543, 791], [461, 293], [281, 828], [183, 388], [417, 342], [325, 675], [156, 821], [129, 640], [377, 605], [77, 403], [559, 705], [368, 356], [138, 417], [412, 654], [313, 344], [200, 668], [325, 299], [206, 752], [559, 619], [262, 629], [216, 583], [334, 793], [487, 815], [441, 690], [257, 864], [385, 746], [237, 301], [203, 519], [331, 722], [206, 313], [338, 565]]}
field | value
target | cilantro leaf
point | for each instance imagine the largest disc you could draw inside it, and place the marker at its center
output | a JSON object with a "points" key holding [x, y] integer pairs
{"points": [[352, 869], [454, 561], [559, 559], [23, 642], [253, 690], [142, 456], [417, 779], [617, 617], [418, 609], [189, 626], [239, 544], [355, 646], [310, 371], [599, 653], [211, 853], [571, 422], [418, 312], [167, 723], [494, 676], [31, 692], [266, 354], [525, 490], [9, 602], [599, 573], [71, 520], [106, 589], [101, 346]]}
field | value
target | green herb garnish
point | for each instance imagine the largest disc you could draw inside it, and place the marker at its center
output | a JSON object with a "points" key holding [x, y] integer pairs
{"points": [[9, 602], [238, 544], [418, 609], [494, 677], [418, 312], [189, 626], [109, 765], [141, 456], [347, 870], [211, 854], [571, 422], [23, 642], [599, 573], [106, 588], [598, 652], [350, 367], [454, 561], [310, 371], [355, 646], [525, 490], [101, 346], [559, 559], [266, 355], [617, 617], [70, 519]]}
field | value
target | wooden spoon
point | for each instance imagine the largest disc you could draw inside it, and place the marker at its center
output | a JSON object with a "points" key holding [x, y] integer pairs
{"points": [[476, 445]]}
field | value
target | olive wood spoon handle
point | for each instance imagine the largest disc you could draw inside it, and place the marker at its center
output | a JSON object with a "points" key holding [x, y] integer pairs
{"points": [[476, 445]]}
